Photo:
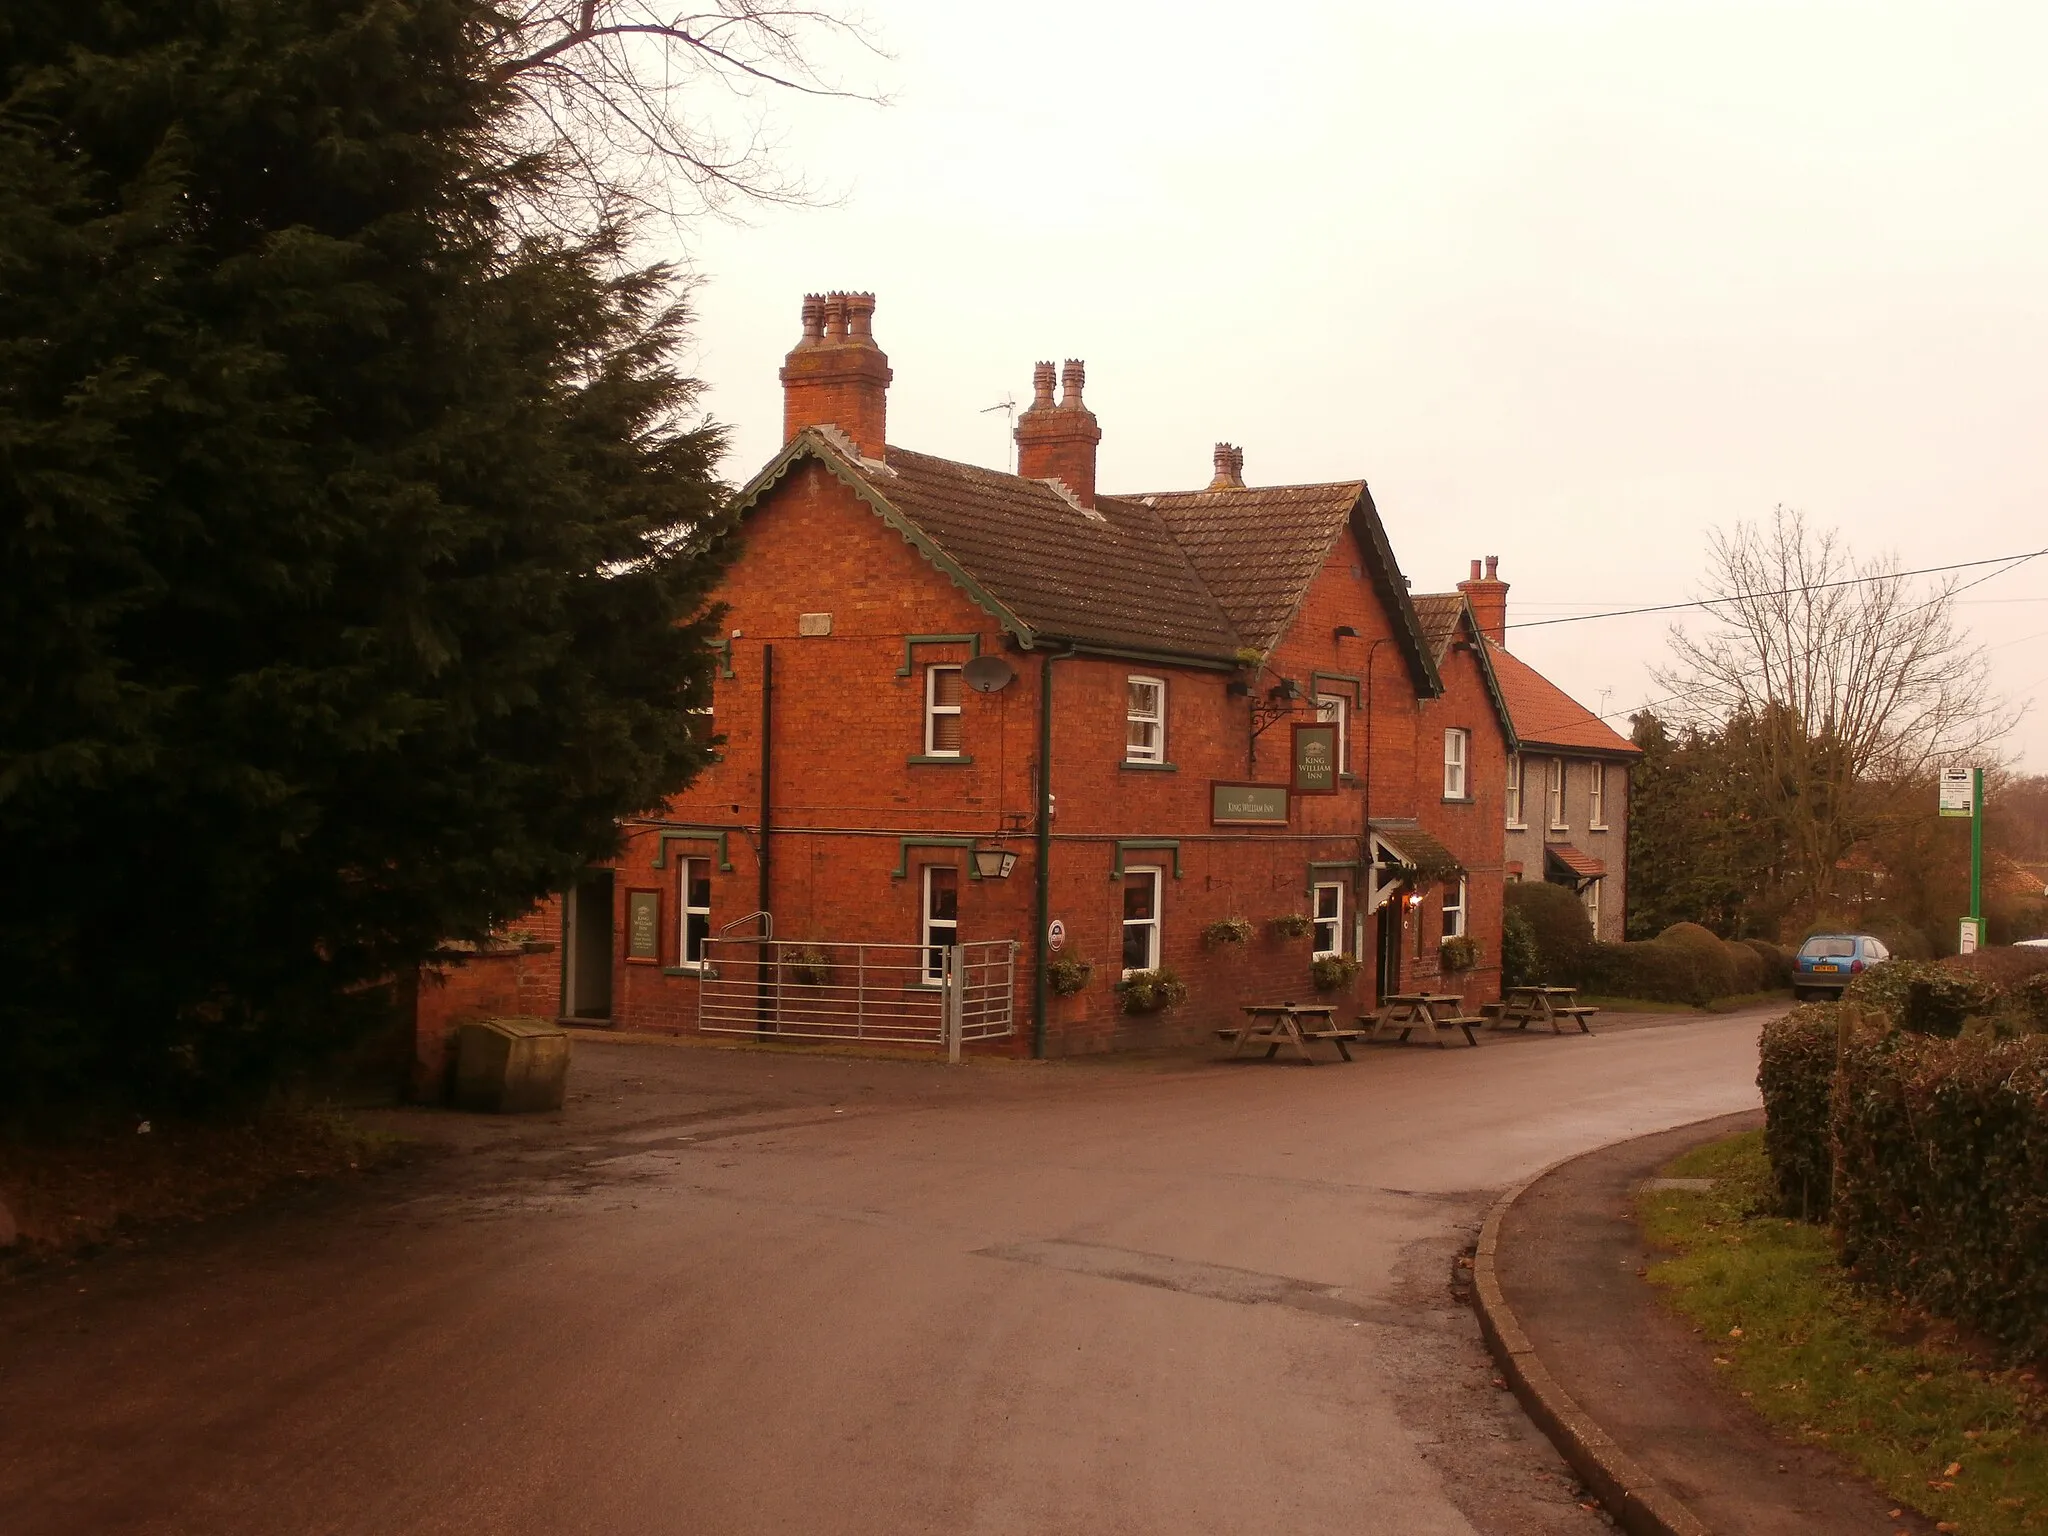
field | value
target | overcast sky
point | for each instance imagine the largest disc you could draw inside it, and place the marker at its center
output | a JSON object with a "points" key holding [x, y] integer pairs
{"points": [[1568, 283]]}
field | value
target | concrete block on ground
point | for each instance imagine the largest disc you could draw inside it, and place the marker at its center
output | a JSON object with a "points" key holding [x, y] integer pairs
{"points": [[511, 1066]]}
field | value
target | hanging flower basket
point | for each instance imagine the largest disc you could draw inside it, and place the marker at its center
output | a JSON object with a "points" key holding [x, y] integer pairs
{"points": [[1459, 954], [806, 965], [1227, 930], [1152, 991], [1067, 975], [1290, 925], [1333, 973]]}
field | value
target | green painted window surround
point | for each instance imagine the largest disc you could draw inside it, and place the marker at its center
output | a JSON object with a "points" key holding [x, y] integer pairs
{"points": [[716, 835], [905, 844], [1126, 845], [972, 642], [1130, 767]]}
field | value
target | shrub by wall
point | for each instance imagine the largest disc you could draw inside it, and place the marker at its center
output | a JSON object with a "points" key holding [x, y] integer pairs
{"points": [[1796, 1072], [1941, 1177], [1557, 919], [1520, 960]]}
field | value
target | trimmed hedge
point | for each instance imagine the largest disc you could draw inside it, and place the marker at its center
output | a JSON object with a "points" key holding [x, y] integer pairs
{"points": [[1796, 1071], [1557, 919], [1776, 961], [1749, 966], [1684, 964], [1924, 996], [1941, 1177], [1520, 961]]}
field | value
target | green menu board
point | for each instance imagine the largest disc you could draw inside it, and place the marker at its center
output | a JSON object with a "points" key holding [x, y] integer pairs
{"points": [[643, 926]]}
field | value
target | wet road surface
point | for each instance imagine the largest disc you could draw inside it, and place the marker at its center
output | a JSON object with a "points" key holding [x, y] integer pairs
{"points": [[737, 1292]]}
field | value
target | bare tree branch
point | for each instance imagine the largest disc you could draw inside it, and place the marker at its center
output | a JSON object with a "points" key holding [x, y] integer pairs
{"points": [[1845, 698], [643, 108]]}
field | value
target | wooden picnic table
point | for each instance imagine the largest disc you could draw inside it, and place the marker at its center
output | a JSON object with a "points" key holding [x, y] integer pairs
{"points": [[1281, 1024], [1523, 1006], [1438, 1012]]}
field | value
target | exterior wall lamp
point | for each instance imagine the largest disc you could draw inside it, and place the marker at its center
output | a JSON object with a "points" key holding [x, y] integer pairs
{"points": [[994, 862]]}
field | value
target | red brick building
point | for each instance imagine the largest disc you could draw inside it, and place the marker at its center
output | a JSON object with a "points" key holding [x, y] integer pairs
{"points": [[1199, 705]]}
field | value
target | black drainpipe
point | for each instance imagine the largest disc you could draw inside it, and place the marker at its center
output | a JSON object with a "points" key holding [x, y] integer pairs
{"points": [[1041, 999], [761, 990]]}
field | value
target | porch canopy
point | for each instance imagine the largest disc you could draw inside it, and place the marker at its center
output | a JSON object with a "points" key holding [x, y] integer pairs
{"points": [[1404, 855], [1580, 869]]}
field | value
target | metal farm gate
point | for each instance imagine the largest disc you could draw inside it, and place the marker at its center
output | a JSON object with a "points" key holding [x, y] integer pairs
{"points": [[882, 994]]}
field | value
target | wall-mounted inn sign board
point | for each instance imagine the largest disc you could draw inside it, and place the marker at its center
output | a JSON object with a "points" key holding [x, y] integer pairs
{"points": [[1315, 757], [643, 927], [1247, 805]]}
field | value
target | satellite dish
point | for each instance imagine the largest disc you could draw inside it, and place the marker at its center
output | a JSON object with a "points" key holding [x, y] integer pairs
{"points": [[988, 674]]}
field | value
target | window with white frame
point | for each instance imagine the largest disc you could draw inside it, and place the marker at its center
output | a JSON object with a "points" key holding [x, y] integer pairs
{"points": [[944, 689], [1555, 769], [1591, 897], [941, 924], [1141, 920], [1514, 794], [693, 881], [1454, 909], [1144, 720], [1335, 709], [1596, 797], [1457, 744], [1329, 938]]}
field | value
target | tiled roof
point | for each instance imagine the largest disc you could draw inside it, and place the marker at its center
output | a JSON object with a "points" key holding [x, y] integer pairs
{"points": [[1438, 614], [1204, 574], [1546, 716], [1259, 547], [1583, 865], [1114, 579], [1405, 836]]}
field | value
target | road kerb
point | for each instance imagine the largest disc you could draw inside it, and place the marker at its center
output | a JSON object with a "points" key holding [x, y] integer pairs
{"points": [[1636, 1500]]}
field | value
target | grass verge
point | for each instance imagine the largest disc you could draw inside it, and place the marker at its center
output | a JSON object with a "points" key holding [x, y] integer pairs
{"points": [[1893, 1391], [73, 1195]]}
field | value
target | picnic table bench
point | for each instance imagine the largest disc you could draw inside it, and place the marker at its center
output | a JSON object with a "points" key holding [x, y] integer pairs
{"points": [[1438, 1012], [1523, 1006], [1292, 1024]]}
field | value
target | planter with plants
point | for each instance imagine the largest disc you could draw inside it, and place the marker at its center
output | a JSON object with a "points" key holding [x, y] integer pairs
{"points": [[1333, 973], [806, 965], [1290, 925], [1152, 991], [1227, 931], [1067, 975], [1460, 953]]}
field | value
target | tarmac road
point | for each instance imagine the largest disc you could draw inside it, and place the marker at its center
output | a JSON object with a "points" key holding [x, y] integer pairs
{"points": [[737, 1292]]}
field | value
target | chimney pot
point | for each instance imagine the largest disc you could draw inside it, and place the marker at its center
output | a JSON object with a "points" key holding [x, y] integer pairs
{"points": [[1229, 468], [1493, 567], [1057, 442], [835, 375], [1488, 595]]}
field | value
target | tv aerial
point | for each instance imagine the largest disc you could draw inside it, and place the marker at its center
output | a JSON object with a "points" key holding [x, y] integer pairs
{"points": [[1008, 406]]}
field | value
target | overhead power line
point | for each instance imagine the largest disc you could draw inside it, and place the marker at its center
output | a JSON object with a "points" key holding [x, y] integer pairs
{"points": [[1818, 586], [2013, 562]]}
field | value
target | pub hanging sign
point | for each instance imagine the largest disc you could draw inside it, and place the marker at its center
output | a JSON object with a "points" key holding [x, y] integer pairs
{"points": [[1315, 757]]}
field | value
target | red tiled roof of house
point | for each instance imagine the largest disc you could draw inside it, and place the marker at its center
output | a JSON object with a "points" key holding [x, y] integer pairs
{"points": [[1582, 865], [1546, 716]]}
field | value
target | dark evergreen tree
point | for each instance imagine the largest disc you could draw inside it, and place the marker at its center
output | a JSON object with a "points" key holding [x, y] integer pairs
{"points": [[353, 538], [1699, 848]]}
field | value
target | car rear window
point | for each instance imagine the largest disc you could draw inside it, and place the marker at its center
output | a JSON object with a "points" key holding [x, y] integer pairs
{"points": [[1827, 949]]}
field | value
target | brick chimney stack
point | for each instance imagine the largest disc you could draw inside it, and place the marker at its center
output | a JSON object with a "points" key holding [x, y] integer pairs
{"points": [[836, 376], [1057, 442], [1229, 469], [1488, 595]]}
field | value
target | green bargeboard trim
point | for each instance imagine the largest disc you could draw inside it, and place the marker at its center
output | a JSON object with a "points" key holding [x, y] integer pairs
{"points": [[1126, 845], [716, 835], [972, 642], [808, 444], [905, 844]]}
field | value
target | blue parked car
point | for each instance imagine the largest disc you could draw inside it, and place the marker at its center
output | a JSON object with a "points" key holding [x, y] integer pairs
{"points": [[1828, 962]]}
